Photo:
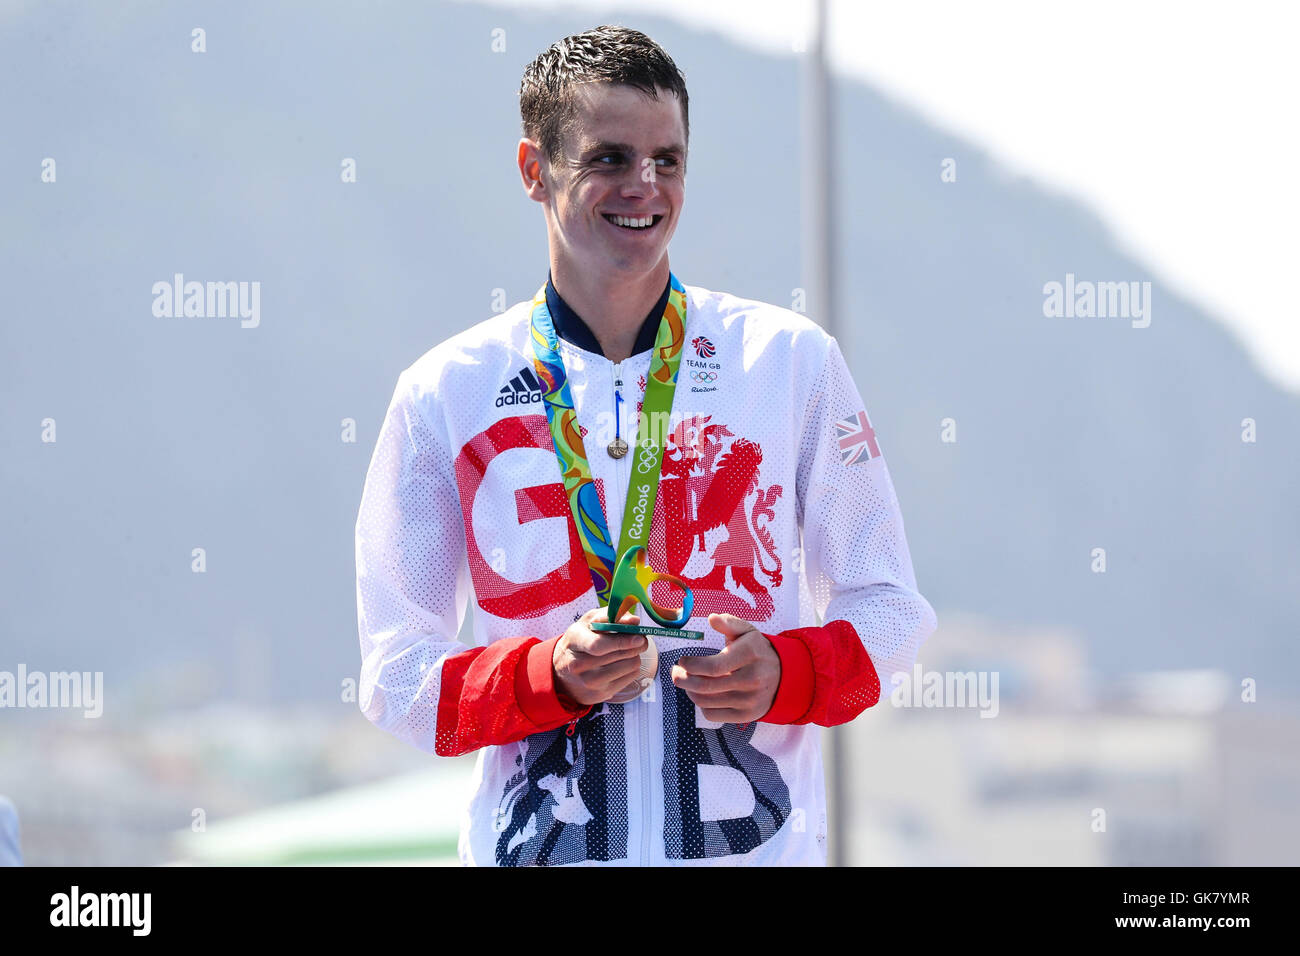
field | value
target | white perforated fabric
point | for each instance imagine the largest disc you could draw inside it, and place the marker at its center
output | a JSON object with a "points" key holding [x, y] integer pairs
{"points": [[866, 577], [412, 578], [463, 500]]}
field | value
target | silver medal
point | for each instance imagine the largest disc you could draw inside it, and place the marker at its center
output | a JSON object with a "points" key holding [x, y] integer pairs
{"points": [[617, 448]]}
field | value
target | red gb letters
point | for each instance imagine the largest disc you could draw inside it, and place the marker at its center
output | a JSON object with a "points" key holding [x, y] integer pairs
{"points": [[498, 595]]}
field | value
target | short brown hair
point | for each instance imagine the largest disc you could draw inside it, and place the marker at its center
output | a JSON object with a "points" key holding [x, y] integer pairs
{"points": [[604, 54]]}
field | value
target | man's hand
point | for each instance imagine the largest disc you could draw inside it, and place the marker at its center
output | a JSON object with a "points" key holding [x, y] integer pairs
{"points": [[590, 667], [738, 684]]}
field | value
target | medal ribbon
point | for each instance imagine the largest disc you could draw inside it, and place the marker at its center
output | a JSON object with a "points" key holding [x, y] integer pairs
{"points": [[647, 459]]}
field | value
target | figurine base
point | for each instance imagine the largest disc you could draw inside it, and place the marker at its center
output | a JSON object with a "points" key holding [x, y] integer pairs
{"points": [[648, 631]]}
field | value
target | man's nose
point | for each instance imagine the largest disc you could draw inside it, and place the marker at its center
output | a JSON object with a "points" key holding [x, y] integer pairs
{"points": [[641, 183]]}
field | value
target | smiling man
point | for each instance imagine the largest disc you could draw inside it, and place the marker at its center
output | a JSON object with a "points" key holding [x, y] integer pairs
{"points": [[724, 437]]}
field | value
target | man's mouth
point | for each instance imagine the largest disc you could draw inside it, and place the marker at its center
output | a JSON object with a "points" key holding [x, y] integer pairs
{"points": [[628, 222]]}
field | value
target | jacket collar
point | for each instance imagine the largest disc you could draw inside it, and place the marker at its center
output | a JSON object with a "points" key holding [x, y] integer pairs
{"points": [[570, 326]]}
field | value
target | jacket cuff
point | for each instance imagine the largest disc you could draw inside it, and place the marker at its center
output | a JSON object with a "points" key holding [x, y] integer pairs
{"points": [[794, 695], [535, 688]]}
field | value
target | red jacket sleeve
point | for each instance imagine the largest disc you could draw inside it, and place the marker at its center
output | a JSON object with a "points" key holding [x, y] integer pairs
{"points": [[858, 567], [827, 677], [418, 681], [499, 694]]}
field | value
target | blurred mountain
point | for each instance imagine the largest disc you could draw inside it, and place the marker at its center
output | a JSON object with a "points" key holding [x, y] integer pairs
{"points": [[175, 434]]}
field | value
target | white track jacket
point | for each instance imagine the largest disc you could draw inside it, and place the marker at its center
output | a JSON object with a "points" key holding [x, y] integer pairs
{"points": [[775, 504]]}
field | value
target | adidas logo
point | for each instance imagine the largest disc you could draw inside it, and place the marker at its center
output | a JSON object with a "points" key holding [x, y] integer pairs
{"points": [[524, 389]]}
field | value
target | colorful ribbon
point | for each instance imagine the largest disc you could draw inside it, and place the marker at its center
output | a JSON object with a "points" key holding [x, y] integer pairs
{"points": [[647, 456]]}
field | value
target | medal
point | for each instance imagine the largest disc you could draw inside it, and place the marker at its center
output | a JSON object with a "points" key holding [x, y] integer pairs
{"points": [[622, 578]]}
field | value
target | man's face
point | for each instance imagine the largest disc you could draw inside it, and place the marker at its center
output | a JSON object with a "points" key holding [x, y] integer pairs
{"points": [[625, 156]]}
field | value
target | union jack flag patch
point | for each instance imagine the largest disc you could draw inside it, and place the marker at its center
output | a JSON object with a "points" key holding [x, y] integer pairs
{"points": [[856, 439]]}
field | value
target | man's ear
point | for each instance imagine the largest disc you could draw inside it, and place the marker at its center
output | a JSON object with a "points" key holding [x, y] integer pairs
{"points": [[531, 165]]}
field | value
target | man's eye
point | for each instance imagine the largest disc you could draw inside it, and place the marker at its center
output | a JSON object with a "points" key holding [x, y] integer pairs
{"points": [[667, 159], [613, 156]]}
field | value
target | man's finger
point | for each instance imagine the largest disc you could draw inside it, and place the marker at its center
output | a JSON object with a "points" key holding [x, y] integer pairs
{"points": [[615, 676], [588, 664], [602, 644], [584, 662], [739, 680], [597, 614], [596, 672], [714, 665], [730, 626], [728, 659]]}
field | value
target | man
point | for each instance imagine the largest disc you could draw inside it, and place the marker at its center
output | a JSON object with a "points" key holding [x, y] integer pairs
{"points": [[506, 460]]}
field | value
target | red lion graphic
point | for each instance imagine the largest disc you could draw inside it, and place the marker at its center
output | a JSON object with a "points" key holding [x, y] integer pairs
{"points": [[704, 489]]}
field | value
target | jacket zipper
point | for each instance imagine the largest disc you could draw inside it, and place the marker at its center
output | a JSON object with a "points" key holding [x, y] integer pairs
{"points": [[638, 713], [642, 714], [573, 724], [643, 736]]}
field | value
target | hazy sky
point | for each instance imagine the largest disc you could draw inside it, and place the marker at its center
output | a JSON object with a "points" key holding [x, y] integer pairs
{"points": [[1174, 121]]}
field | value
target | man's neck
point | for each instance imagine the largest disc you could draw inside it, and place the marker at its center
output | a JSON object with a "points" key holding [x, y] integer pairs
{"points": [[613, 309]]}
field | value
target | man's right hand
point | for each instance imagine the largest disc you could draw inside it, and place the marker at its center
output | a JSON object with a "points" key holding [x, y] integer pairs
{"points": [[591, 667]]}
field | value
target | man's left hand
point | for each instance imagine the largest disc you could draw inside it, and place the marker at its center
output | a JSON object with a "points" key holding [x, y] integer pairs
{"points": [[738, 684]]}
